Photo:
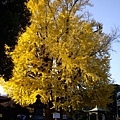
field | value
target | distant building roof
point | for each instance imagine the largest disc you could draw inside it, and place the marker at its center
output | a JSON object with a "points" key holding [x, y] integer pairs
{"points": [[4, 99]]}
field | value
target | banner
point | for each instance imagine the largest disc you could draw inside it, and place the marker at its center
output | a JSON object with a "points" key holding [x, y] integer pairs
{"points": [[118, 99]]}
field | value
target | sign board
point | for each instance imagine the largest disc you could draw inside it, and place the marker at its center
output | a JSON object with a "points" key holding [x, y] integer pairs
{"points": [[118, 102], [0, 115], [56, 115], [118, 94]]}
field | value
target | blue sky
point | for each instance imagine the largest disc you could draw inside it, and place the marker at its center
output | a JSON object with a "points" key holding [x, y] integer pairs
{"points": [[107, 12]]}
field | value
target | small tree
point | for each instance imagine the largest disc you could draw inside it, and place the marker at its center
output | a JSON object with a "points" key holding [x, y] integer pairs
{"points": [[62, 57]]}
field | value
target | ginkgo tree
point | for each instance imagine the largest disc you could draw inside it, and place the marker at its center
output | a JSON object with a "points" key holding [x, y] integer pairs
{"points": [[62, 56]]}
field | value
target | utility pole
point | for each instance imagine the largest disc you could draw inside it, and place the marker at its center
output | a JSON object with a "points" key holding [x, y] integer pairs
{"points": [[117, 104]]}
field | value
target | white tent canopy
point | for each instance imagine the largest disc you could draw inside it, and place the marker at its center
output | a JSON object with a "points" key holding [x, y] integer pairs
{"points": [[96, 109]]}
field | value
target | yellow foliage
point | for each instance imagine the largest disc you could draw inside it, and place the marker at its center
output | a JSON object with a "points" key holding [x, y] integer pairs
{"points": [[2, 82], [60, 53]]}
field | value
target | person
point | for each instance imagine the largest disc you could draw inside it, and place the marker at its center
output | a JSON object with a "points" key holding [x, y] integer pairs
{"points": [[103, 117]]}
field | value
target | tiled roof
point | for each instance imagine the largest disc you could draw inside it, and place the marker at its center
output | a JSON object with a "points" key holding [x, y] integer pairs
{"points": [[4, 99]]}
